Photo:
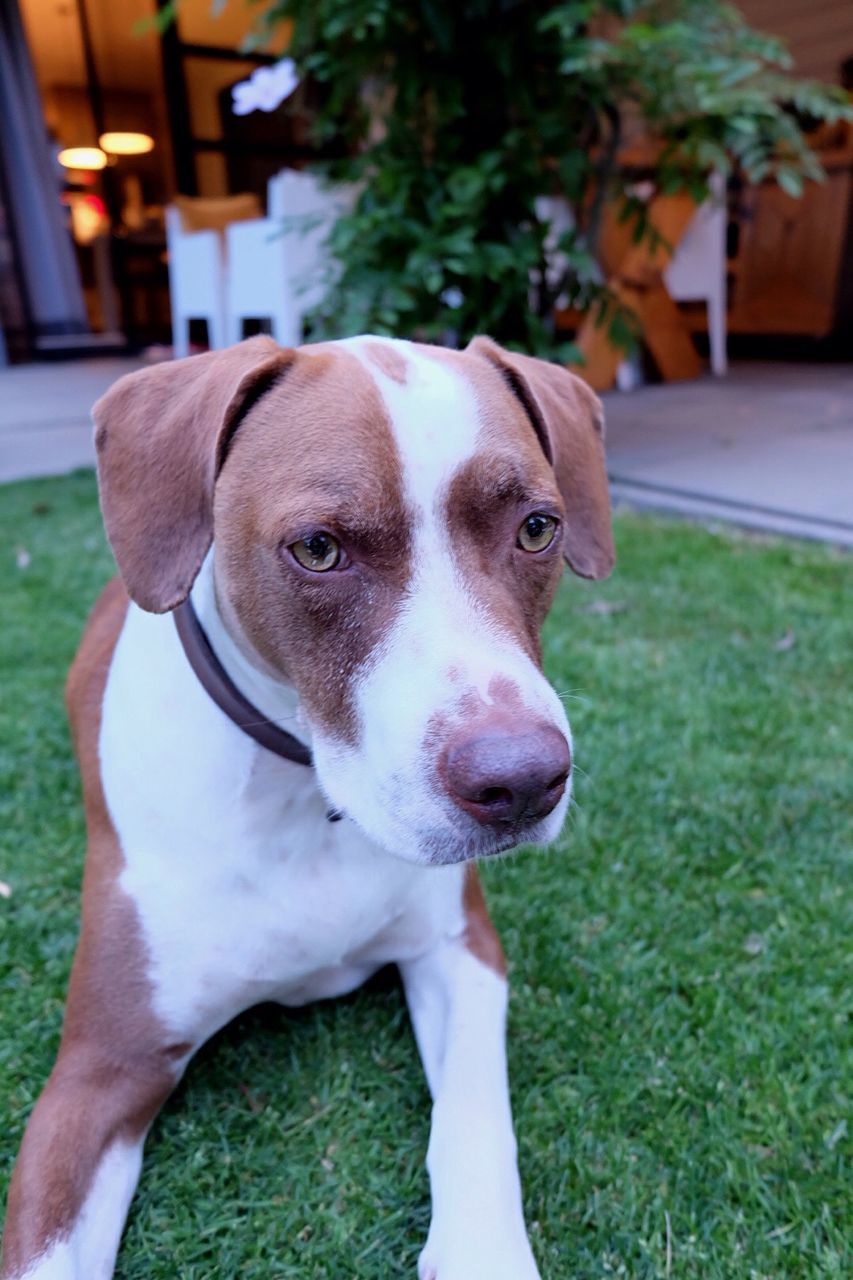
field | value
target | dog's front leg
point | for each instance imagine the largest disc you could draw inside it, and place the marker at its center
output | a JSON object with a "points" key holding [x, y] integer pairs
{"points": [[80, 1158], [457, 996], [78, 1168]]}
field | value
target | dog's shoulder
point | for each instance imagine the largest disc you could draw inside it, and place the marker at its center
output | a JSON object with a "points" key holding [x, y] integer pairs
{"points": [[87, 677]]}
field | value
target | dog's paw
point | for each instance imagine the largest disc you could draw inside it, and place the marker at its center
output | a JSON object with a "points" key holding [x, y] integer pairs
{"points": [[468, 1262]]}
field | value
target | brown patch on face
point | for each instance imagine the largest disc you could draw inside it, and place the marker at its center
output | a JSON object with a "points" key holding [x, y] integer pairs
{"points": [[469, 708], [116, 1064], [568, 419], [489, 497], [506, 694], [485, 504], [480, 936], [316, 454], [161, 436], [507, 479], [388, 360]]}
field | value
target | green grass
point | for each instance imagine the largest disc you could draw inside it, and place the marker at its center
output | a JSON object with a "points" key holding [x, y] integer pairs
{"points": [[678, 1041]]}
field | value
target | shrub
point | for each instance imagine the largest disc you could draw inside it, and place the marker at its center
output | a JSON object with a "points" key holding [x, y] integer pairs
{"points": [[455, 115]]}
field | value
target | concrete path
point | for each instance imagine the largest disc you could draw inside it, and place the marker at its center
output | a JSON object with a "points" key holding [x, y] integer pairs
{"points": [[768, 447], [45, 423]]}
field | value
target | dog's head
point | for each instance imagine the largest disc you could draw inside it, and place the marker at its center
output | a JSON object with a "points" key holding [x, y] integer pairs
{"points": [[389, 523]]}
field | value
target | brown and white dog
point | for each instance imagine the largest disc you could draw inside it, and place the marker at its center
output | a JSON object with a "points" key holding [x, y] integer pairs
{"points": [[371, 533]]}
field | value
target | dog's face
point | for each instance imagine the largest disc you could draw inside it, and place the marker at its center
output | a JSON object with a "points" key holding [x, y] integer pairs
{"points": [[389, 524]]}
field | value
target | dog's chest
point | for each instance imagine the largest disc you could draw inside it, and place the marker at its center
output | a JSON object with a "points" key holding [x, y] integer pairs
{"points": [[307, 916], [245, 892]]}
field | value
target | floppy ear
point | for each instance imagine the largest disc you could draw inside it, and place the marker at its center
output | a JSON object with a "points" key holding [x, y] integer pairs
{"points": [[568, 418], [161, 437]]}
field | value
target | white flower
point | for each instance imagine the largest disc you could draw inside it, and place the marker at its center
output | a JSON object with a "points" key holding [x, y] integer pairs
{"points": [[265, 89]]}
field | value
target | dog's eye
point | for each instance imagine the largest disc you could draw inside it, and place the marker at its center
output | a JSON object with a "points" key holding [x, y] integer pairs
{"points": [[537, 532], [319, 553]]}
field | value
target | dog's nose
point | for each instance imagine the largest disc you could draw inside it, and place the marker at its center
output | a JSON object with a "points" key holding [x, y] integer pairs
{"points": [[502, 777]]}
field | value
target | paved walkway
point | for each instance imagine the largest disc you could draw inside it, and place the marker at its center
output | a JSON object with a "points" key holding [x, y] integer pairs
{"points": [[770, 446], [45, 423]]}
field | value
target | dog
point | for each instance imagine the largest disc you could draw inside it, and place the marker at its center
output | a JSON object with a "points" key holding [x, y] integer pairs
{"points": [[311, 702]]}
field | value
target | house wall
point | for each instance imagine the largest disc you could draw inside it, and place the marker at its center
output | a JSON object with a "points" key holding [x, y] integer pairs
{"points": [[819, 33]]}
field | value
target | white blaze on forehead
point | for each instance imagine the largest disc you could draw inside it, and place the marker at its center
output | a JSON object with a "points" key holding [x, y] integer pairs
{"points": [[435, 419], [433, 415], [444, 642]]}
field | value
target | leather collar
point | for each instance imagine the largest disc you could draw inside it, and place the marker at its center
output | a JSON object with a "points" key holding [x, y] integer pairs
{"points": [[224, 692]]}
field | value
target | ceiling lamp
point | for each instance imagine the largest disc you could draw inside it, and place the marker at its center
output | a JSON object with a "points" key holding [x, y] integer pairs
{"points": [[82, 158], [126, 144]]}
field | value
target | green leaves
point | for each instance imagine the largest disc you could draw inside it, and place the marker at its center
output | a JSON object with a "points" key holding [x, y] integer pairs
{"points": [[456, 115]]}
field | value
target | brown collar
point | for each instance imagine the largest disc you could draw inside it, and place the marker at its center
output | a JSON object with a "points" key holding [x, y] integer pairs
{"points": [[224, 692]]}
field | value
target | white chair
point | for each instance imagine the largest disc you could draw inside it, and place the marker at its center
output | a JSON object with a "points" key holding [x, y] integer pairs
{"points": [[557, 213], [196, 282], [698, 268], [278, 266]]}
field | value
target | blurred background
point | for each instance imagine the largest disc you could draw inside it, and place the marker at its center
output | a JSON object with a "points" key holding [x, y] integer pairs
{"points": [[657, 193], [80, 69], [83, 260]]}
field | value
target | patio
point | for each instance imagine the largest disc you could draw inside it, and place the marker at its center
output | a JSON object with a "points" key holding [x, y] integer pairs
{"points": [[769, 447]]}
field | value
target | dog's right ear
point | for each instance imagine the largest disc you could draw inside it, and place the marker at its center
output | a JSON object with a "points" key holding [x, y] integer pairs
{"points": [[161, 437], [568, 419]]}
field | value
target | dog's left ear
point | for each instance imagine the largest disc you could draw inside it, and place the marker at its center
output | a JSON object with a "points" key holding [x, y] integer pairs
{"points": [[161, 436], [568, 419]]}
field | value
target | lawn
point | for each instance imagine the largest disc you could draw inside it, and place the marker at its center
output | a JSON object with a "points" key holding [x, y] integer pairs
{"points": [[678, 1043]]}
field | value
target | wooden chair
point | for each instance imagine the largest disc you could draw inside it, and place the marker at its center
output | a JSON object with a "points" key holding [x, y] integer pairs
{"points": [[697, 270]]}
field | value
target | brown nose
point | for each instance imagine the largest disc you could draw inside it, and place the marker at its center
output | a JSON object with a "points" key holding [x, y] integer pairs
{"points": [[502, 777]]}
